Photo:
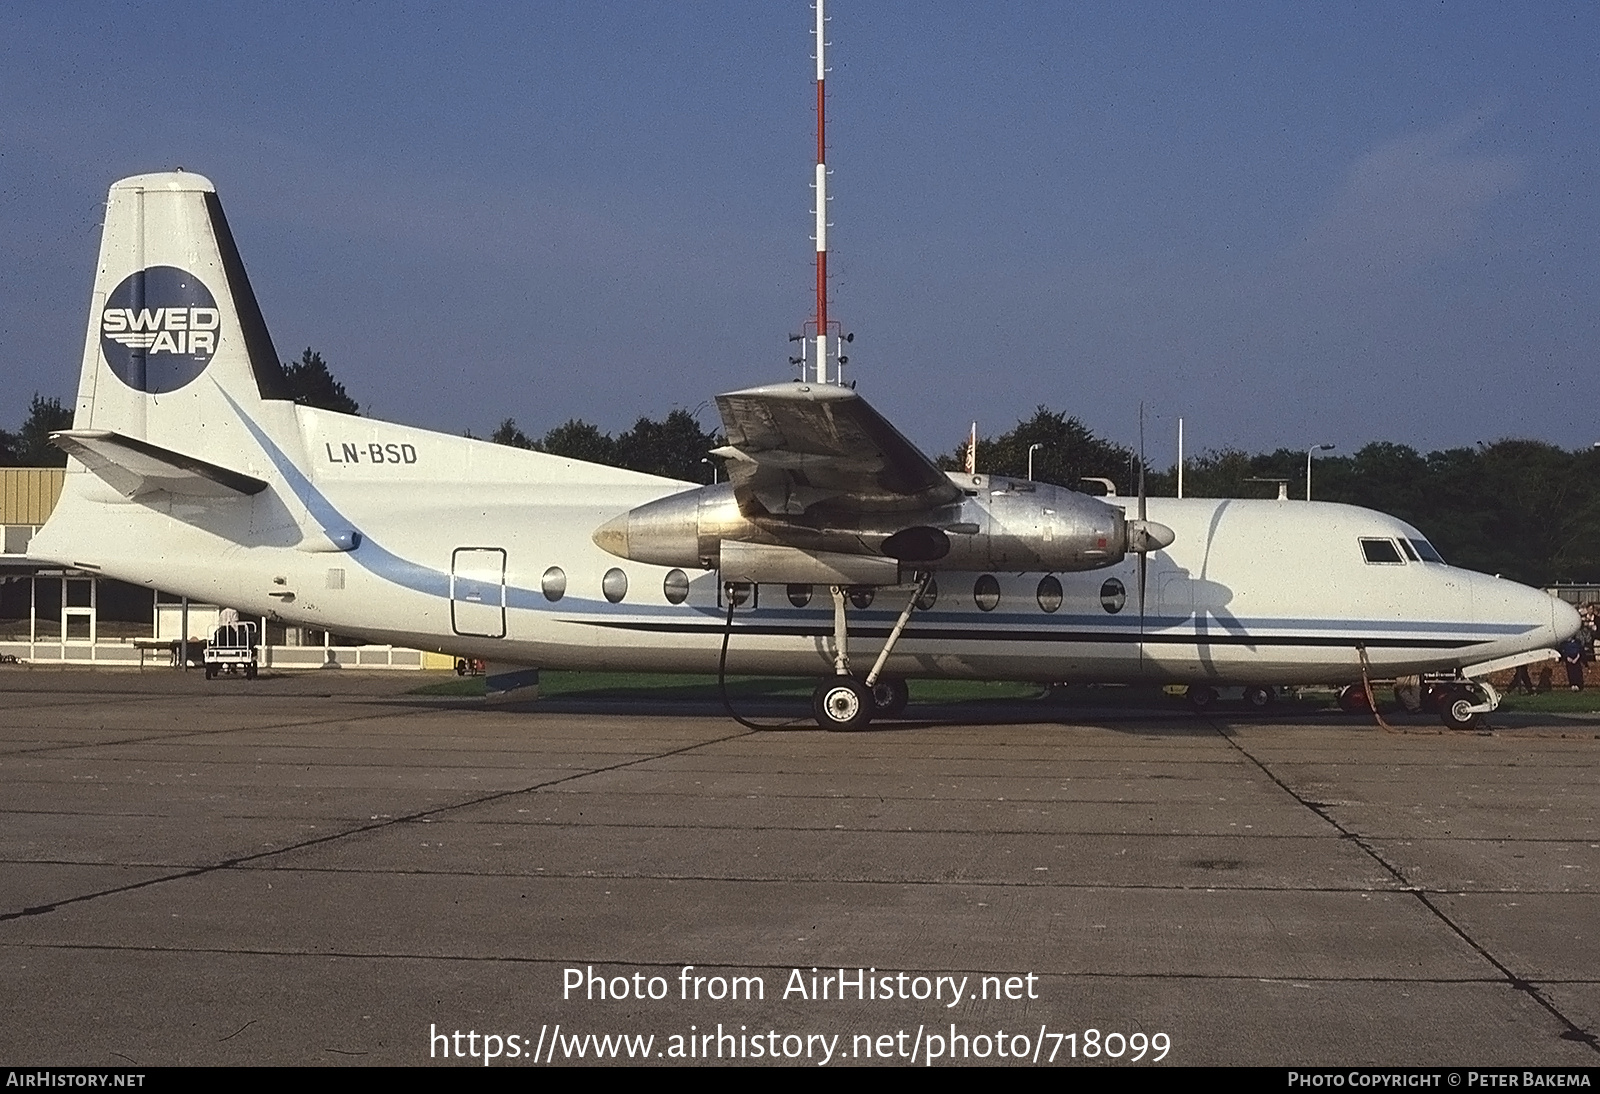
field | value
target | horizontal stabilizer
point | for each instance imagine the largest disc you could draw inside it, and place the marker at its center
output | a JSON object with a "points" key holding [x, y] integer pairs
{"points": [[134, 468]]}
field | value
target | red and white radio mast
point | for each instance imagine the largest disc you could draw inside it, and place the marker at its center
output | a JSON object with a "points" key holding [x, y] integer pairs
{"points": [[819, 333]]}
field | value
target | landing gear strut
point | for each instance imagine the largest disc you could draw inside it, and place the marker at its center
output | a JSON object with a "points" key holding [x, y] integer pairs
{"points": [[842, 702]]}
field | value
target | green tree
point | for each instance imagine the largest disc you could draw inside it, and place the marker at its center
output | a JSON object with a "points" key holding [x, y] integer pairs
{"points": [[1069, 452], [311, 384], [579, 440], [676, 447], [508, 433], [30, 446]]}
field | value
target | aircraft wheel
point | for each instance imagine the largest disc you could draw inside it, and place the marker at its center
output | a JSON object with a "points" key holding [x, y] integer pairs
{"points": [[461, 666], [1257, 697], [1201, 697], [890, 696], [842, 703], [1453, 710]]}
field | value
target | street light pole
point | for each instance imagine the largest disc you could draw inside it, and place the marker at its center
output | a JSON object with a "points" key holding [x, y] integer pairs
{"points": [[1309, 451], [1031, 447]]}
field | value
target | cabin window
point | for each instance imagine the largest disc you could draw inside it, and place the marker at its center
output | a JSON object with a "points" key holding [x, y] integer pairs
{"points": [[554, 584], [930, 595], [1405, 545], [1425, 549], [1113, 595], [675, 586], [799, 595], [1381, 552], [986, 592], [861, 596], [739, 593], [1049, 593], [614, 585]]}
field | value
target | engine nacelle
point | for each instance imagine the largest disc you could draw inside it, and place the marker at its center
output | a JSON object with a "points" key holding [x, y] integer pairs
{"points": [[998, 524]]}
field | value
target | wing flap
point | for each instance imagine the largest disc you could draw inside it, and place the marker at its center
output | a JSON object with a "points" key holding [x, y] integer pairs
{"points": [[135, 468], [794, 447]]}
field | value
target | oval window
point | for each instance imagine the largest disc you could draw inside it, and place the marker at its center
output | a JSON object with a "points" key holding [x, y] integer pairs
{"points": [[614, 585], [1113, 596], [799, 595], [1049, 593], [986, 592], [930, 595], [738, 593], [554, 584], [675, 586], [861, 596]]}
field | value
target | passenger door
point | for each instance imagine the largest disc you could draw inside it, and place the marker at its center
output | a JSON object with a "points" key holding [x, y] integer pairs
{"points": [[478, 591]]}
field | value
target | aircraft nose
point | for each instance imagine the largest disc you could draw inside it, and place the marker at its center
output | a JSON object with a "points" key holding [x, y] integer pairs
{"points": [[1564, 620]]}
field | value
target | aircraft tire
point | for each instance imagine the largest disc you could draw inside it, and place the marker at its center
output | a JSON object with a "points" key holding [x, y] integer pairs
{"points": [[1453, 710], [1201, 698], [842, 703], [890, 696], [1258, 697]]}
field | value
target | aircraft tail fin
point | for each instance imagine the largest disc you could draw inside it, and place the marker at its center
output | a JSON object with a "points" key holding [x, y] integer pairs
{"points": [[175, 333]]}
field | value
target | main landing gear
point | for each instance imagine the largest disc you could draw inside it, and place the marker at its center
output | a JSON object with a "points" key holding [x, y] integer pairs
{"points": [[842, 702]]}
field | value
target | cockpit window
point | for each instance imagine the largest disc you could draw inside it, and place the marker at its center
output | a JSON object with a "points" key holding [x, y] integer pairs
{"points": [[1405, 545], [1381, 552], [1425, 549]]}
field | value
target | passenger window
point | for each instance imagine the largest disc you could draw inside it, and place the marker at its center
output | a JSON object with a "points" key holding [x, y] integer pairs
{"points": [[1113, 595], [675, 586], [862, 595], [930, 595], [614, 585], [1381, 552], [799, 595], [1049, 593], [554, 584], [986, 592]]}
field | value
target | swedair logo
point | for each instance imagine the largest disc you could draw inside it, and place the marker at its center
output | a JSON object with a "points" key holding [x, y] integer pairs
{"points": [[159, 329]]}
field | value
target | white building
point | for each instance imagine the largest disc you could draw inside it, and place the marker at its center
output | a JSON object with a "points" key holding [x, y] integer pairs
{"points": [[71, 616]]}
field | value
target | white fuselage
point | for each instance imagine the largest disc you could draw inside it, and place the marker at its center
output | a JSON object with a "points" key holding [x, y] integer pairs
{"points": [[459, 541]]}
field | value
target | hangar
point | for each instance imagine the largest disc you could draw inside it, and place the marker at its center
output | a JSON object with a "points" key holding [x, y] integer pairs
{"points": [[50, 614]]}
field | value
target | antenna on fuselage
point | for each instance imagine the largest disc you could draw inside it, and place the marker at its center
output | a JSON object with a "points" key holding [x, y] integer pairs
{"points": [[821, 339]]}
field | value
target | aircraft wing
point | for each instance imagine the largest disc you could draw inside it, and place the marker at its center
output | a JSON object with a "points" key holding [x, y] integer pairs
{"points": [[795, 446], [134, 468]]}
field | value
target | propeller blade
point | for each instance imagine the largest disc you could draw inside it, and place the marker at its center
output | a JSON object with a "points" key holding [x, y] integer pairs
{"points": [[1144, 555], [1144, 561], [1141, 464]]}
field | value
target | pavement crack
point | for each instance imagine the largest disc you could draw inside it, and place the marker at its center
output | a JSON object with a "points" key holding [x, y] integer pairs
{"points": [[421, 815], [1573, 1031]]}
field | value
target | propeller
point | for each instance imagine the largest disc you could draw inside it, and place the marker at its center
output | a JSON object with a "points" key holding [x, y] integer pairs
{"points": [[1144, 525], [1145, 535]]}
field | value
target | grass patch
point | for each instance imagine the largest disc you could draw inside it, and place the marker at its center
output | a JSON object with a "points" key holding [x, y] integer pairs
{"points": [[1555, 702]]}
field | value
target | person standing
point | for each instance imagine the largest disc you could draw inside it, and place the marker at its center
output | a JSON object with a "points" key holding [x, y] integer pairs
{"points": [[1572, 658]]}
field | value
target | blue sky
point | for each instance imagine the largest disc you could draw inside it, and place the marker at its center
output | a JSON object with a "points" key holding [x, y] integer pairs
{"points": [[1289, 223]]}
